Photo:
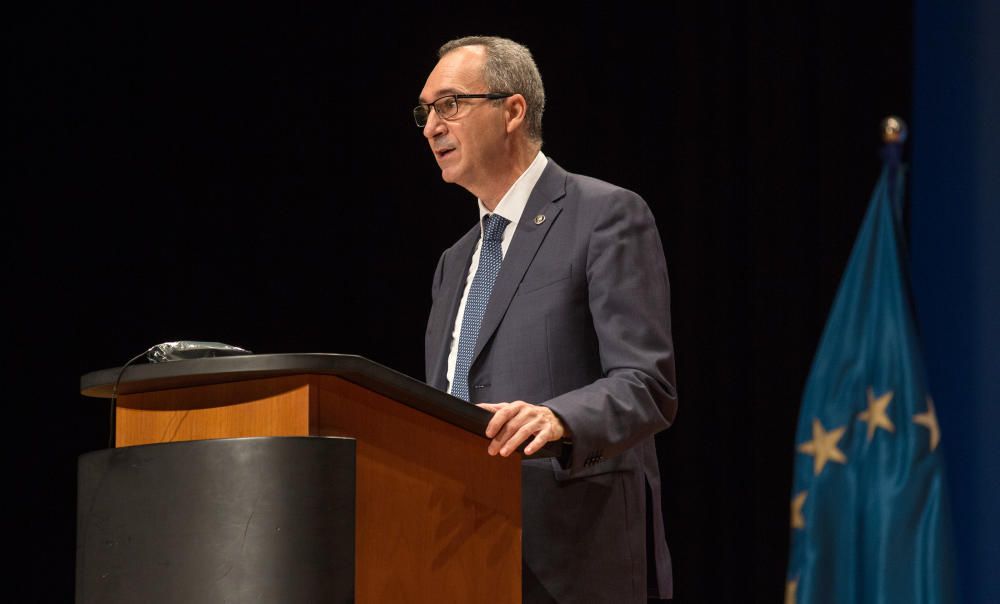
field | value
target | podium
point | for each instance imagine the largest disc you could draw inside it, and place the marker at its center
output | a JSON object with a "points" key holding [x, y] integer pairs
{"points": [[436, 518]]}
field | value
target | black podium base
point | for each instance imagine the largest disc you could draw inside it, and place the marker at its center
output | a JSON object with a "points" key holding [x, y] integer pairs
{"points": [[233, 520]]}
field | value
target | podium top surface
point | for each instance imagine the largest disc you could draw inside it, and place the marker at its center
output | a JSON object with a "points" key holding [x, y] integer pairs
{"points": [[359, 370]]}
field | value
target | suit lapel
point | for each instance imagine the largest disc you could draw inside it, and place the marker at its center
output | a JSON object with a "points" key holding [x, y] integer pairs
{"points": [[549, 189], [446, 306]]}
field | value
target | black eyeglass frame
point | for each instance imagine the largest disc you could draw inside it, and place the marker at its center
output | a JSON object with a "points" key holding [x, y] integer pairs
{"points": [[426, 107]]}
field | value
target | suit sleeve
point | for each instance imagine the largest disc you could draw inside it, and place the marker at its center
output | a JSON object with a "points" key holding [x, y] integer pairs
{"points": [[438, 276], [431, 331], [629, 301]]}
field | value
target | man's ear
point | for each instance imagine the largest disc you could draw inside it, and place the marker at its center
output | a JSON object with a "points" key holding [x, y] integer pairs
{"points": [[515, 110]]}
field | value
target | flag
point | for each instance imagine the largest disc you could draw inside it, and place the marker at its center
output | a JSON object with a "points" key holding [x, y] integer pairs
{"points": [[869, 512]]}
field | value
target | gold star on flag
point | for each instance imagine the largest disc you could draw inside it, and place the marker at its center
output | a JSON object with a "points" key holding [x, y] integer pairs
{"points": [[790, 588], [798, 520], [929, 421], [823, 446], [875, 415]]}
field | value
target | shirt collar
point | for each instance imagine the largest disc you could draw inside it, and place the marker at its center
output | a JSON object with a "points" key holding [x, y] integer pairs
{"points": [[512, 204]]}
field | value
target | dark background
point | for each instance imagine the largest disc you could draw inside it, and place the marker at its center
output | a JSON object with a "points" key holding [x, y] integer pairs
{"points": [[254, 177]]}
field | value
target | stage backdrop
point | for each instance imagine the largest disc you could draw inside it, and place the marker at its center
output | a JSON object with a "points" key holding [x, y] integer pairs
{"points": [[254, 176]]}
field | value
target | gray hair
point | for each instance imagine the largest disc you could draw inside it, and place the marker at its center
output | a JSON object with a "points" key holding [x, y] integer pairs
{"points": [[509, 67]]}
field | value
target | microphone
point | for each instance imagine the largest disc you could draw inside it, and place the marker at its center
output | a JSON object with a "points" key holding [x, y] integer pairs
{"points": [[166, 352], [190, 349]]}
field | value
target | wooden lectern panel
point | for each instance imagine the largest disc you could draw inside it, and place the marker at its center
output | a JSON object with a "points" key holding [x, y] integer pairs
{"points": [[437, 518], [284, 406], [451, 530]]}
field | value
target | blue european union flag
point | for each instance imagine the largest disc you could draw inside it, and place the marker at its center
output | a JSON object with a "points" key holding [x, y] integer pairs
{"points": [[870, 519]]}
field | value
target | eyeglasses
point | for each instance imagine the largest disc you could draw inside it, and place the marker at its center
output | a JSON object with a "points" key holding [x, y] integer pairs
{"points": [[448, 106]]}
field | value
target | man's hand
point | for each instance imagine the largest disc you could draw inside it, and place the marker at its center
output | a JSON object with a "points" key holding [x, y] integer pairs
{"points": [[513, 423]]}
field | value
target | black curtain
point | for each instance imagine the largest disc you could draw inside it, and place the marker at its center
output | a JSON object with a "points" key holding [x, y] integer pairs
{"points": [[254, 177]]}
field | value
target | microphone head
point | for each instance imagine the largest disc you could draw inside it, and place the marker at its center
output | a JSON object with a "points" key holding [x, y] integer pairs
{"points": [[191, 349]]}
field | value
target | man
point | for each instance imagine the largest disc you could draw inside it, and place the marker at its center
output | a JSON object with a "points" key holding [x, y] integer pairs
{"points": [[553, 313]]}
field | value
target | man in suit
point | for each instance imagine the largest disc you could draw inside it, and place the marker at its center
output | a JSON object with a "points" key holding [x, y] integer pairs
{"points": [[553, 313]]}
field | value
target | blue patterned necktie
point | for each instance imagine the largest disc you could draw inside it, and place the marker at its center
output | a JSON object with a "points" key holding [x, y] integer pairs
{"points": [[490, 257]]}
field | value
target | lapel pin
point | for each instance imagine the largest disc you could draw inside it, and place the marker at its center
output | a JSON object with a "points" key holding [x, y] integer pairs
{"points": [[540, 219]]}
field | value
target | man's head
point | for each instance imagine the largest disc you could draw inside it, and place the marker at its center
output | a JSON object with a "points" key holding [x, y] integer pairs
{"points": [[484, 141], [509, 67]]}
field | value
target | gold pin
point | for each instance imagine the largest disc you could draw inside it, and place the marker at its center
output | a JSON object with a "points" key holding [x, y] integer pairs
{"points": [[540, 219]]}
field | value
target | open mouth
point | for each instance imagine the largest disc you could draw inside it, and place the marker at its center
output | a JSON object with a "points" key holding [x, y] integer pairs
{"points": [[442, 153]]}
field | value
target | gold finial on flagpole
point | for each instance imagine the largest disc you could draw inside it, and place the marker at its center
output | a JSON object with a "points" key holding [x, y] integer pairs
{"points": [[893, 130]]}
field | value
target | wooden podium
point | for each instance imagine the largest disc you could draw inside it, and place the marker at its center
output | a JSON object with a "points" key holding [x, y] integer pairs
{"points": [[437, 518]]}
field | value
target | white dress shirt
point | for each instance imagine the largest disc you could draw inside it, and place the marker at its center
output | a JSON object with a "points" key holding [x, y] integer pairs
{"points": [[511, 207]]}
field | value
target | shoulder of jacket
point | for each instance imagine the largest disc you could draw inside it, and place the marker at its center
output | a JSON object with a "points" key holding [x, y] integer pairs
{"points": [[594, 193]]}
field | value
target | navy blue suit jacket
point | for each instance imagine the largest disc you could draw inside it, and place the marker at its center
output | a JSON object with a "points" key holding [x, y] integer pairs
{"points": [[578, 321]]}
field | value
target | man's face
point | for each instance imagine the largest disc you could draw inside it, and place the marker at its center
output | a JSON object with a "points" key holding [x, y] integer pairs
{"points": [[467, 147]]}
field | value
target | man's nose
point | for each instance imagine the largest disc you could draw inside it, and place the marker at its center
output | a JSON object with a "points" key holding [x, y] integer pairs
{"points": [[434, 126]]}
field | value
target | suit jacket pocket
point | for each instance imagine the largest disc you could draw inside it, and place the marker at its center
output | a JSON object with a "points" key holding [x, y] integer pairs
{"points": [[544, 278]]}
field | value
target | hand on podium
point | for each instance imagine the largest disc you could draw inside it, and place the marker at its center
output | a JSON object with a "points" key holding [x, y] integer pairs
{"points": [[513, 423]]}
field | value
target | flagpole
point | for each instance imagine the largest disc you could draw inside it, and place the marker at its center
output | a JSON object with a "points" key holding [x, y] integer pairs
{"points": [[894, 133]]}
